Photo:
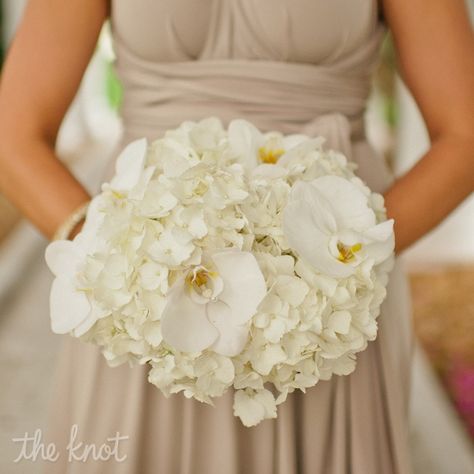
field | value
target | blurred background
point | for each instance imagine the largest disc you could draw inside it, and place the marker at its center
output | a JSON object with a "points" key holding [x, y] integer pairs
{"points": [[440, 266]]}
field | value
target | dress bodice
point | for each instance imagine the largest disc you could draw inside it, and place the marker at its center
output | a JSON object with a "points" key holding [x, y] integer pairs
{"points": [[297, 66], [309, 31]]}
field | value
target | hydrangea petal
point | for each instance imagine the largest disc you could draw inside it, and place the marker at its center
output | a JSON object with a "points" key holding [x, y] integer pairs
{"points": [[340, 322], [152, 275], [267, 171], [291, 289], [266, 398], [254, 408], [177, 158], [206, 134], [275, 330], [250, 411], [271, 355]]}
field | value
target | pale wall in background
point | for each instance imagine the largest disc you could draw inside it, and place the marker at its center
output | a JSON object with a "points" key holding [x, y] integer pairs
{"points": [[12, 11]]}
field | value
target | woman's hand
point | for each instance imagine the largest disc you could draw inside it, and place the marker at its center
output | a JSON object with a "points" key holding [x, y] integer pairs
{"points": [[435, 44], [42, 72]]}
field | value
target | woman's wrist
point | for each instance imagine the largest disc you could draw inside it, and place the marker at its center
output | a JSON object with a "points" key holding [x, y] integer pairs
{"points": [[72, 225], [76, 229]]}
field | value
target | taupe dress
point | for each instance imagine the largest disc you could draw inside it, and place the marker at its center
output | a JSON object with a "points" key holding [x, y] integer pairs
{"points": [[288, 65]]}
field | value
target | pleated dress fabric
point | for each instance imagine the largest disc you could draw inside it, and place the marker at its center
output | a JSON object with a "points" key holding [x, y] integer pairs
{"points": [[288, 65]]}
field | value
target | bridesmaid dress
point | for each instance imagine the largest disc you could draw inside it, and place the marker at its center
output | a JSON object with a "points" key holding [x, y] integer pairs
{"points": [[288, 65]]}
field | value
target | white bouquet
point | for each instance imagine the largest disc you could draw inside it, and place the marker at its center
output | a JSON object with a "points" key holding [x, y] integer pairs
{"points": [[228, 258]]}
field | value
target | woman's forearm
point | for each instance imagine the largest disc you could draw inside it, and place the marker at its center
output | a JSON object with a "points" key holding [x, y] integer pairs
{"points": [[435, 186], [40, 77], [37, 183]]}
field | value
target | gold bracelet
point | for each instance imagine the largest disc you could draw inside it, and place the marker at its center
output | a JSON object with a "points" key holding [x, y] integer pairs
{"points": [[64, 230]]}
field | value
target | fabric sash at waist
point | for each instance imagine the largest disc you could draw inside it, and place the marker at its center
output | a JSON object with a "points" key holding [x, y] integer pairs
{"points": [[275, 95]]}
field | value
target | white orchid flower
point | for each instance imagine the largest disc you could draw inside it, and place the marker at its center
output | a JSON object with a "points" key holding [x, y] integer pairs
{"points": [[329, 223], [129, 166], [210, 307], [70, 308], [255, 148]]}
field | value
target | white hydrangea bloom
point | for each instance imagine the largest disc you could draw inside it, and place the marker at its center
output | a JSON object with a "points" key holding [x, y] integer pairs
{"points": [[228, 259]]}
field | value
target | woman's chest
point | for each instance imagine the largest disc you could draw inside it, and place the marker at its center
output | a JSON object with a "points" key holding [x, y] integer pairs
{"points": [[313, 31]]}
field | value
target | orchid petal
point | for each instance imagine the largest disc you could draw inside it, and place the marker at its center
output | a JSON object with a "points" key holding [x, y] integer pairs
{"points": [[380, 251], [379, 241], [380, 232], [232, 339], [68, 307], [129, 166], [184, 323], [83, 327], [319, 210], [62, 257], [293, 140], [349, 203], [244, 284], [139, 191], [245, 140], [94, 216]]}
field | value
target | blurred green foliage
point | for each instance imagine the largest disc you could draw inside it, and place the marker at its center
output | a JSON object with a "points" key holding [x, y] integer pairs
{"points": [[385, 81], [113, 87]]}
